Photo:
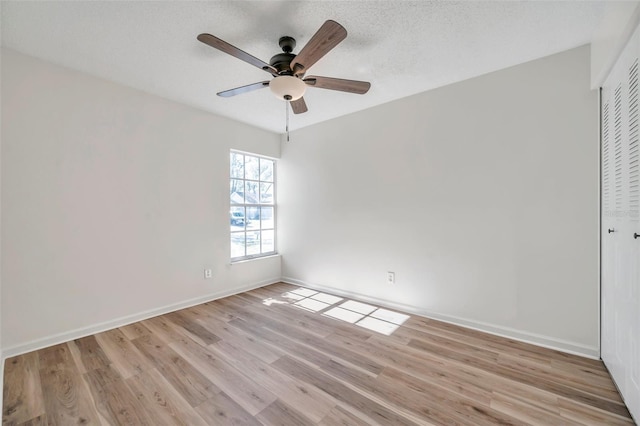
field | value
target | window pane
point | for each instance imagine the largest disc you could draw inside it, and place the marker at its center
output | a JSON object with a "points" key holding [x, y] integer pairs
{"points": [[253, 243], [251, 195], [237, 244], [267, 217], [236, 191], [268, 244], [266, 193], [252, 205], [251, 167], [253, 217], [266, 170], [237, 218], [237, 165]]}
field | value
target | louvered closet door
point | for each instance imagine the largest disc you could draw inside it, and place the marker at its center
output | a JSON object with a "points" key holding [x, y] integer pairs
{"points": [[620, 315]]}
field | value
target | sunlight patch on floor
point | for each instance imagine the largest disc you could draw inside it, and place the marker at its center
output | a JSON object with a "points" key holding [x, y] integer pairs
{"points": [[271, 301], [304, 292], [311, 305], [377, 325], [361, 308], [292, 296], [367, 316], [343, 315], [390, 316], [327, 298]]}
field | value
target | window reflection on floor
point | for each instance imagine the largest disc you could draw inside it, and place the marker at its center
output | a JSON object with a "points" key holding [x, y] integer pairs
{"points": [[371, 317]]}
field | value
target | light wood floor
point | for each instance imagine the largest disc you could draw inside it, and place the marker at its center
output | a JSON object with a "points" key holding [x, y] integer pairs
{"points": [[257, 359]]}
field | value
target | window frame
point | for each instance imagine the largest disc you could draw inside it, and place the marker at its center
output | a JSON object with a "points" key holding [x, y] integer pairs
{"points": [[246, 206]]}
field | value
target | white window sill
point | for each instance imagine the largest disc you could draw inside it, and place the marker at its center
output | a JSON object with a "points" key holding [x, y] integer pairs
{"points": [[237, 262]]}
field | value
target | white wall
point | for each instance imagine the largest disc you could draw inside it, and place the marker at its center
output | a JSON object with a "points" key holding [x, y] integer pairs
{"points": [[619, 21], [481, 196], [113, 203]]}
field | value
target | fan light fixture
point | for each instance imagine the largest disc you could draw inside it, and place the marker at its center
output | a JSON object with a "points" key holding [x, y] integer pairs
{"points": [[287, 87]]}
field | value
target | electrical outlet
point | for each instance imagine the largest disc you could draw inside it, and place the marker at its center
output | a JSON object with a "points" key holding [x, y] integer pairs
{"points": [[391, 277], [207, 273]]}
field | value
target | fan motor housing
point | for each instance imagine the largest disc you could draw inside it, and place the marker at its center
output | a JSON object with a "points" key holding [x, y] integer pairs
{"points": [[281, 62]]}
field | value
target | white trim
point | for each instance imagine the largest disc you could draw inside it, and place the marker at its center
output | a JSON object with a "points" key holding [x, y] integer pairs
{"points": [[251, 259], [122, 321], [592, 352], [522, 336], [600, 222]]}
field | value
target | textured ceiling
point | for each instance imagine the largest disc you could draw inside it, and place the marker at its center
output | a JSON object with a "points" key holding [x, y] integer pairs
{"points": [[401, 47]]}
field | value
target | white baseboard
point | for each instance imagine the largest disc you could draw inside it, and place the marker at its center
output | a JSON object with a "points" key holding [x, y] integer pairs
{"points": [[122, 321], [592, 352], [523, 336]]}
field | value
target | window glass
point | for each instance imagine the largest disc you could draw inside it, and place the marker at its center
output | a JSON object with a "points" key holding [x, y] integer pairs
{"points": [[252, 200]]}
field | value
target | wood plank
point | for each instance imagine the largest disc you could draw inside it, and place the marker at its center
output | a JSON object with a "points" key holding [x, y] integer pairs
{"points": [[121, 352], [97, 382], [309, 354], [187, 380], [421, 398], [430, 369], [592, 385], [114, 400], [338, 416], [162, 403], [519, 376], [66, 397], [468, 379], [162, 328], [462, 409], [283, 415], [309, 339], [248, 394], [313, 377], [317, 404], [580, 377], [22, 392], [421, 323], [255, 358], [237, 337], [223, 410], [220, 311], [589, 415], [37, 421], [526, 412], [91, 354], [185, 323], [135, 330]]}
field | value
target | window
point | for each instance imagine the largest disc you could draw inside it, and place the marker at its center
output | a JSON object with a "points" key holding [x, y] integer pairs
{"points": [[253, 211]]}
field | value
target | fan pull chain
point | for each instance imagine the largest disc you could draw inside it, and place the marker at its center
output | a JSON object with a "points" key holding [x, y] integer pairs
{"points": [[286, 109]]}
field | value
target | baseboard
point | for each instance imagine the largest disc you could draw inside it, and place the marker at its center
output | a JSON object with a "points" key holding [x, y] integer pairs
{"points": [[122, 321], [522, 336], [526, 337]]}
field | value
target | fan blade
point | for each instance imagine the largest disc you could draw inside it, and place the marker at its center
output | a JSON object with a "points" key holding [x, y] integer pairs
{"points": [[225, 47], [351, 86], [243, 89], [328, 36], [299, 106]]}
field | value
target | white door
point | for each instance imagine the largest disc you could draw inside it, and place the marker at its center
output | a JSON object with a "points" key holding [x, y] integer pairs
{"points": [[620, 285]]}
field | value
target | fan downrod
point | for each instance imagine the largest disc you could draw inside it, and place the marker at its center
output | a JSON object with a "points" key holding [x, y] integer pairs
{"points": [[281, 61], [287, 44]]}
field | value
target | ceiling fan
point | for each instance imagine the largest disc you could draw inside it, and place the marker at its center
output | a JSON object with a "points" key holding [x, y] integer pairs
{"points": [[288, 69]]}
